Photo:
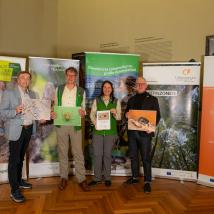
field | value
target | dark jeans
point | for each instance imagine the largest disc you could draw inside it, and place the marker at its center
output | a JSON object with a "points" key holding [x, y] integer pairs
{"points": [[17, 151], [143, 144]]}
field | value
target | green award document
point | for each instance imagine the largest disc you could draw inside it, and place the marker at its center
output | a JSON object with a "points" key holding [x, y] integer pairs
{"points": [[67, 116]]}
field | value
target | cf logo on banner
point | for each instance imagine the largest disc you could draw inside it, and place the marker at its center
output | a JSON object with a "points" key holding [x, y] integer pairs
{"points": [[187, 71]]}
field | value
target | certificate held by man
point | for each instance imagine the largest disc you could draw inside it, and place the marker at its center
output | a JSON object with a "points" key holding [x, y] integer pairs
{"points": [[36, 109], [67, 116], [142, 120], [103, 120]]}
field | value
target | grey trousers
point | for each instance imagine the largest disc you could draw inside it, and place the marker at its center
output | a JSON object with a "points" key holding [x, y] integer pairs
{"points": [[63, 134], [102, 149]]}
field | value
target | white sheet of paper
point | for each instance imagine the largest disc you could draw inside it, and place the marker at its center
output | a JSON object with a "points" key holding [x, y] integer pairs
{"points": [[36, 109], [103, 121]]}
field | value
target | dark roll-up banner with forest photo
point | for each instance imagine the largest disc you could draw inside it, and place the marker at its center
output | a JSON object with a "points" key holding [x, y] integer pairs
{"points": [[175, 145]]}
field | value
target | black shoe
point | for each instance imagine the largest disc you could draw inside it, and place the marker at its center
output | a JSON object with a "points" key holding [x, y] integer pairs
{"points": [[93, 183], [147, 188], [107, 183], [17, 196], [84, 186], [24, 185], [132, 181]]}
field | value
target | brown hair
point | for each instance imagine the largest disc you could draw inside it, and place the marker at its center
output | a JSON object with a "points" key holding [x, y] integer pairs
{"points": [[24, 72], [72, 69]]}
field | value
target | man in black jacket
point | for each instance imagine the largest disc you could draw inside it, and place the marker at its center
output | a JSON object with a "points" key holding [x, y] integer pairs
{"points": [[141, 139]]}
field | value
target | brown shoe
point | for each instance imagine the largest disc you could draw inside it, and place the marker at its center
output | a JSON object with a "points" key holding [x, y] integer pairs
{"points": [[63, 183], [84, 186]]}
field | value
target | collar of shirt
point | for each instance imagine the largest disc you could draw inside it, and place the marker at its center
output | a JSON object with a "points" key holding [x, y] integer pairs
{"points": [[70, 90], [22, 92]]}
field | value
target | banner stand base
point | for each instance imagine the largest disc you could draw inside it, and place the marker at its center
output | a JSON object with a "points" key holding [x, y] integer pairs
{"points": [[205, 184]]}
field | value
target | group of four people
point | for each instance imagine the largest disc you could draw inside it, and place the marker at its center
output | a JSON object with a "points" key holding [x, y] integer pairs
{"points": [[18, 132]]}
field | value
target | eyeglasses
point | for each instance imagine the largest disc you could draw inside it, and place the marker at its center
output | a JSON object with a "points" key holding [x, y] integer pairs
{"points": [[68, 75], [140, 84]]}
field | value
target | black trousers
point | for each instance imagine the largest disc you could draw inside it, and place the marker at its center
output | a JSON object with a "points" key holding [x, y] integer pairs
{"points": [[142, 144], [17, 150]]}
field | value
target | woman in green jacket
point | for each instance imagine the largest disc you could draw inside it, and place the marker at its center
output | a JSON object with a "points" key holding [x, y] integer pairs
{"points": [[103, 139]]}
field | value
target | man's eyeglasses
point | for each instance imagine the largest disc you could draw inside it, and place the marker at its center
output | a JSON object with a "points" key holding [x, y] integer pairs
{"points": [[140, 84], [70, 75]]}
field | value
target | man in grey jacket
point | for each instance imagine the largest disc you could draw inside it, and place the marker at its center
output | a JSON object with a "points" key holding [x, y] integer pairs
{"points": [[18, 132]]}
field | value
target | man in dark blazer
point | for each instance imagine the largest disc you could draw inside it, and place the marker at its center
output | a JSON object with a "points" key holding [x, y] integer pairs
{"points": [[18, 132], [141, 140]]}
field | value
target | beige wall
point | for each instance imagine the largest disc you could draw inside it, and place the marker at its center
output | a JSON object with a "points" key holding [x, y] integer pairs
{"points": [[160, 30], [28, 27]]}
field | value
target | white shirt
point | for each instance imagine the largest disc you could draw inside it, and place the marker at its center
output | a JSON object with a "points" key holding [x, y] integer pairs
{"points": [[69, 97]]}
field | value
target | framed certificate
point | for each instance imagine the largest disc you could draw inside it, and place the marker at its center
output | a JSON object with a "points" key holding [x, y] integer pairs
{"points": [[103, 121], [67, 116]]}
